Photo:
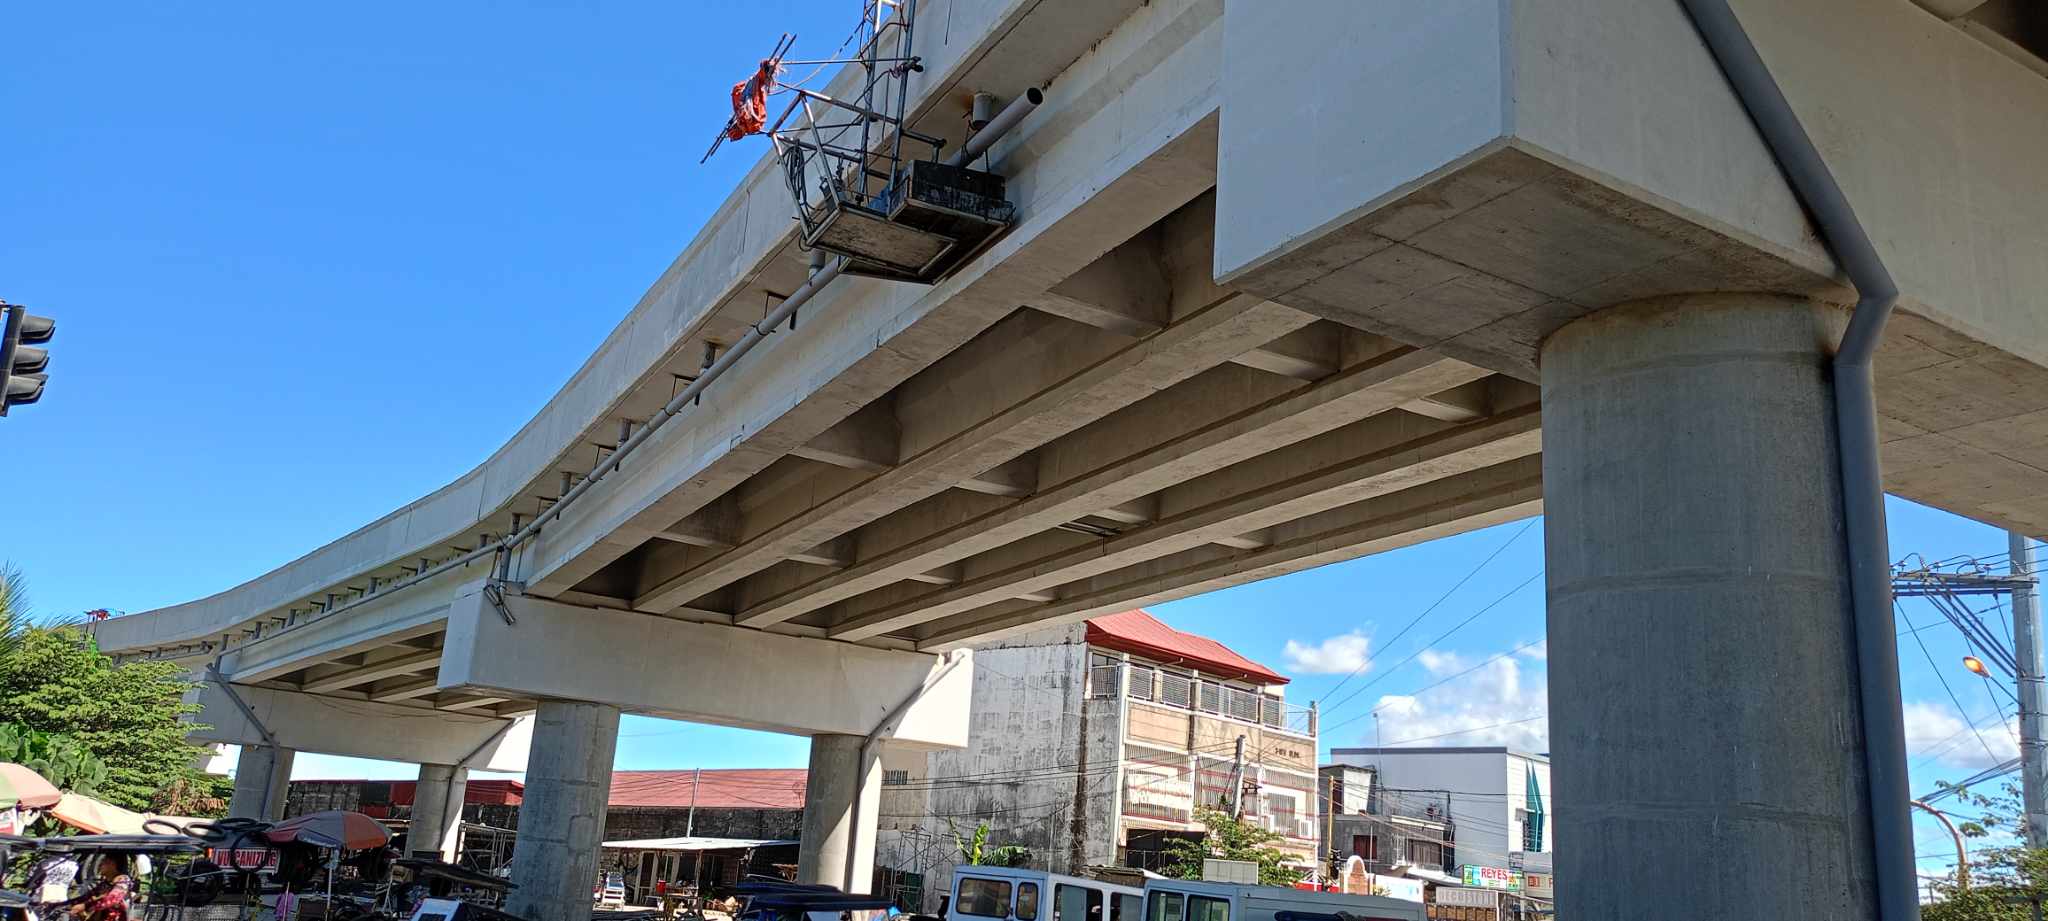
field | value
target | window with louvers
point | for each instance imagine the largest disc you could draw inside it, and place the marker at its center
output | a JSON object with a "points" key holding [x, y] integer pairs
{"points": [[1176, 690], [1141, 682], [1272, 710], [1243, 704], [1102, 677], [1212, 697]]}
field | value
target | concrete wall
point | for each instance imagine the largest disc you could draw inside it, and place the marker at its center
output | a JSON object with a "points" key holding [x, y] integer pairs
{"points": [[629, 823], [1036, 749]]}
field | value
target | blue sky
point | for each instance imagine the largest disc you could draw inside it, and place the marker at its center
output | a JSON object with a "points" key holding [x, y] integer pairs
{"points": [[311, 263]]}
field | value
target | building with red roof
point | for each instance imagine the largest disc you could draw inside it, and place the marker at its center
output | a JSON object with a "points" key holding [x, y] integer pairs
{"points": [[1097, 743], [1139, 633], [764, 804]]}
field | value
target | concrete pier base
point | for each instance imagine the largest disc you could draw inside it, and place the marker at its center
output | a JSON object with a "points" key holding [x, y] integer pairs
{"points": [[437, 810], [841, 796], [1702, 667], [262, 777], [561, 820]]}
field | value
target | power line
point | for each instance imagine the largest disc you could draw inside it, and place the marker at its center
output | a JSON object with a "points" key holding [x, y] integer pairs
{"points": [[1425, 648], [1367, 663], [1445, 735], [1441, 682], [1965, 714]]}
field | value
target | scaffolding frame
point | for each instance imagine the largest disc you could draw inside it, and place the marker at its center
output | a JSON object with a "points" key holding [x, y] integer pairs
{"points": [[866, 186]]}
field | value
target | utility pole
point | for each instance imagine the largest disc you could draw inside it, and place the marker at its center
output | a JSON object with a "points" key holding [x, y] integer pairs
{"points": [[2026, 636], [1330, 832], [1237, 782], [690, 824]]}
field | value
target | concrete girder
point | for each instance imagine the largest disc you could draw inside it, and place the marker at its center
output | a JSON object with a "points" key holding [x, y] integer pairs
{"points": [[384, 621], [868, 440], [1375, 387], [946, 454], [700, 672], [1501, 493], [1130, 291], [360, 728], [403, 689], [404, 663], [1379, 456], [852, 359]]}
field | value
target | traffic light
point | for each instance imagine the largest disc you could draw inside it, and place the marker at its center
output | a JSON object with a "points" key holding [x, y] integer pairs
{"points": [[22, 359]]}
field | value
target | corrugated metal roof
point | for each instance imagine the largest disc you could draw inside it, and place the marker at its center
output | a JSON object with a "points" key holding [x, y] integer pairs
{"points": [[1139, 633], [735, 788]]}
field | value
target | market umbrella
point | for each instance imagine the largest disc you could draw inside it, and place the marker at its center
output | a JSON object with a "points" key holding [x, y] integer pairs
{"points": [[103, 818], [349, 831], [338, 829], [95, 817], [20, 786]]}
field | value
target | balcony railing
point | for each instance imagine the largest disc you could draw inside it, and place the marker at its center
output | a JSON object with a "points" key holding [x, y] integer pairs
{"points": [[1186, 692]]}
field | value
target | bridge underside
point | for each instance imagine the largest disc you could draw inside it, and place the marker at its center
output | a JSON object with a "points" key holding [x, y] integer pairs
{"points": [[1132, 433], [1084, 419]]}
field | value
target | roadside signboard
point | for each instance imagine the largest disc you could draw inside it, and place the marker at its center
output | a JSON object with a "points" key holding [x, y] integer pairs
{"points": [[1480, 877]]}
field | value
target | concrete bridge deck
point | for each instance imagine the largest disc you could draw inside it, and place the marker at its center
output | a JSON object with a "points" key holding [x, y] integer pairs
{"points": [[1083, 419], [1277, 296]]}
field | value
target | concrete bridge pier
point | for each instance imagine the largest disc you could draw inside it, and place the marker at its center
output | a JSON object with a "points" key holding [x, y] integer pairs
{"points": [[561, 819], [1703, 674], [437, 809], [263, 774], [841, 796]]}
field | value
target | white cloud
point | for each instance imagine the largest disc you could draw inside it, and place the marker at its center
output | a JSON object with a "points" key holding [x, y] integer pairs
{"points": [[1439, 663], [1933, 730], [1538, 652], [1491, 706], [1337, 655]]}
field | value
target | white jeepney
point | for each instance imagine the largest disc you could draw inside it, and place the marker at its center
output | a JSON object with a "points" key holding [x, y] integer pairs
{"points": [[1188, 900]]}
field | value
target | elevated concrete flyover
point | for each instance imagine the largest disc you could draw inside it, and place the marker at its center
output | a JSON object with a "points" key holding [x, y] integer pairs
{"points": [[1284, 289], [1079, 419]]}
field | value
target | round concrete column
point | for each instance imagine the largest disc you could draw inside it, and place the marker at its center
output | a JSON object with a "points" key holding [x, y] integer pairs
{"points": [[841, 795], [437, 810], [262, 778], [561, 815], [1703, 712]]}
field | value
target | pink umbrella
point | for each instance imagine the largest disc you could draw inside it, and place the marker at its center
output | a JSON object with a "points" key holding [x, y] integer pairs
{"points": [[23, 787], [349, 831]]}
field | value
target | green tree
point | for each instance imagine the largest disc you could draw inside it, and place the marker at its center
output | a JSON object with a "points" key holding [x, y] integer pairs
{"points": [[2005, 877], [71, 767], [56, 681], [976, 852], [13, 608], [1231, 838]]}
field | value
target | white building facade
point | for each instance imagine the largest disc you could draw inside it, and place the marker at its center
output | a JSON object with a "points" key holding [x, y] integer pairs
{"points": [[1499, 801]]}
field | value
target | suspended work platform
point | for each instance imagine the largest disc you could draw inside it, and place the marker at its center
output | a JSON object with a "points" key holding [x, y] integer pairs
{"points": [[858, 195]]}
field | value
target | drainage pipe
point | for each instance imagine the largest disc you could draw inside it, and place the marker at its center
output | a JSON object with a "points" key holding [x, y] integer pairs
{"points": [[1877, 655], [731, 356], [999, 126], [867, 746]]}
